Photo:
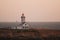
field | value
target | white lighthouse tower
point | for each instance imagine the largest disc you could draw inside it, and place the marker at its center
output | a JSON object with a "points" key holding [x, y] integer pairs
{"points": [[22, 18], [24, 24]]}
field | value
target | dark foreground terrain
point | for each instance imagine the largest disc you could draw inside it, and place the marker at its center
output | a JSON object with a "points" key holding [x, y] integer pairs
{"points": [[24, 38], [29, 34]]}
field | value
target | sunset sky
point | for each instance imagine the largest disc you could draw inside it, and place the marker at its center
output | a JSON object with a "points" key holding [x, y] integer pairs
{"points": [[34, 10]]}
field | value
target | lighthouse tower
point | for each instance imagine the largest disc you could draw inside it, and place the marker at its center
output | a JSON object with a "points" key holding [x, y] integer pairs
{"points": [[22, 18], [23, 25]]}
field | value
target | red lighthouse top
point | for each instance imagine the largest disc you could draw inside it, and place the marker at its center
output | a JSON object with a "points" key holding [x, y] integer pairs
{"points": [[22, 14]]}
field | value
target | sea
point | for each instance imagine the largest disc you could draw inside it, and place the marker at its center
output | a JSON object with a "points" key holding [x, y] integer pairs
{"points": [[36, 25]]}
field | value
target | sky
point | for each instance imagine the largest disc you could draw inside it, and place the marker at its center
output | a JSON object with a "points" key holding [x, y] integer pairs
{"points": [[34, 10]]}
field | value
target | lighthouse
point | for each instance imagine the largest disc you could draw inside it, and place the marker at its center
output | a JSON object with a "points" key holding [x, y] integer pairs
{"points": [[23, 24], [22, 18]]}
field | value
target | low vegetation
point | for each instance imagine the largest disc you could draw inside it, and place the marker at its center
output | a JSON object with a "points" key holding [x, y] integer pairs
{"points": [[29, 34]]}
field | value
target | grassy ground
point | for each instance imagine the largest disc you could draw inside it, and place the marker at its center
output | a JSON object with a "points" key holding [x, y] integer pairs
{"points": [[29, 34]]}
